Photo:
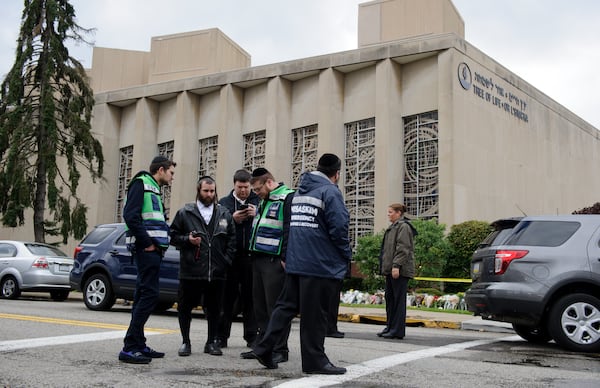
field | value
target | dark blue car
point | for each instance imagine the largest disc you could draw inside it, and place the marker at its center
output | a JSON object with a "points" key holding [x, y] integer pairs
{"points": [[104, 270]]}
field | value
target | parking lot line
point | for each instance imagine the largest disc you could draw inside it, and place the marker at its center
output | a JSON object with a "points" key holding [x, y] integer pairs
{"points": [[61, 340], [376, 365], [80, 323]]}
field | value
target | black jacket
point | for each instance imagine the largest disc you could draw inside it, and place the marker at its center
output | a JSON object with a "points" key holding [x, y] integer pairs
{"points": [[217, 248], [243, 231]]}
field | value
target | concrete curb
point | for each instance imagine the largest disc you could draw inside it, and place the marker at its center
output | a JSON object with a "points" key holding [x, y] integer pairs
{"points": [[411, 322]]}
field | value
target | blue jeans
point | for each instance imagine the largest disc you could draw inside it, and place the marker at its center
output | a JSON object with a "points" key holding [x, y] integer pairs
{"points": [[145, 298]]}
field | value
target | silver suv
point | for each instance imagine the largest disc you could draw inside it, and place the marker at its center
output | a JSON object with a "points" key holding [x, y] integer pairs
{"points": [[543, 276]]}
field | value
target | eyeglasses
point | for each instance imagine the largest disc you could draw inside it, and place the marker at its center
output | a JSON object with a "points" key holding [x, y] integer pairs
{"points": [[256, 189]]}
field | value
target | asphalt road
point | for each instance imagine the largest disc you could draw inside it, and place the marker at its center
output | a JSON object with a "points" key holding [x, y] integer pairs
{"points": [[63, 344]]}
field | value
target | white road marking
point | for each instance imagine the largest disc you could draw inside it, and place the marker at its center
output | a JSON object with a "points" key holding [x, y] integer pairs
{"points": [[379, 364], [62, 340]]}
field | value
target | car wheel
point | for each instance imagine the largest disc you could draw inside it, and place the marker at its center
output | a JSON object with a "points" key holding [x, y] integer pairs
{"points": [[98, 293], [59, 296], [575, 322], [10, 288], [536, 335]]}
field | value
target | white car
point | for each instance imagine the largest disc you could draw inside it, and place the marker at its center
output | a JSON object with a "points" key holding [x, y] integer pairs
{"points": [[33, 267]]}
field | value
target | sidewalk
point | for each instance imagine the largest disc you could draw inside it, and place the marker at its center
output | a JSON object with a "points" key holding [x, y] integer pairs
{"points": [[417, 318]]}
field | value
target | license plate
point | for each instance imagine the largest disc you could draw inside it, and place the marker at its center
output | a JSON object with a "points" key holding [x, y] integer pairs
{"points": [[64, 268]]}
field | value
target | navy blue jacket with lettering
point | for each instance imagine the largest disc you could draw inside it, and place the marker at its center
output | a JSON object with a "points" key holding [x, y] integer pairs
{"points": [[318, 243]]}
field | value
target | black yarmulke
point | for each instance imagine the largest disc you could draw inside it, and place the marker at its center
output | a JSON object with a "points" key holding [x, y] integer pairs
{"points": [[329, 162], [259, 172]]}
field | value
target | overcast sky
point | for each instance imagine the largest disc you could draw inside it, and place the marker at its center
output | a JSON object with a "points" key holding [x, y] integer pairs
{"points": [[552, 44]]}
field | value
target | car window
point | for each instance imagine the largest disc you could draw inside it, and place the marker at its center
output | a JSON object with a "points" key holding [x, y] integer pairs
{"points": [[543, 233], [7, 250], [121, 239], [496, 237], [502, 229], [98, 234], [44, 250]]}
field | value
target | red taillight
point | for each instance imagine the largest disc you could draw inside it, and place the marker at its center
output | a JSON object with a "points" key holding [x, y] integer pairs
{"points": [[40, 263], [503, 259], [76, 251]]}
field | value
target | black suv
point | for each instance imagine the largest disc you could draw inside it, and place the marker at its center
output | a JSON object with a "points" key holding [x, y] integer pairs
{"points": [[543, 276], [104, 270]]}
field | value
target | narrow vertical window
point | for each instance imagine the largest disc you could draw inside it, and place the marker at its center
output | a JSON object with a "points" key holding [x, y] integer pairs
{"points": [[421, 172], [304, 151], [166, 150], [125, 162], [359, 177], [207, 158], [254, 150]]}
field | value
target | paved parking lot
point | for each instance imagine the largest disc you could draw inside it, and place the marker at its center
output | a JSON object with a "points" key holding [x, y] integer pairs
{"points": [[49, 344]]}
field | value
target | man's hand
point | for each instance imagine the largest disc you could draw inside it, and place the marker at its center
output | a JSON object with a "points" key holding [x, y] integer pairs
{"points": [[194, 240], [240, 216]]}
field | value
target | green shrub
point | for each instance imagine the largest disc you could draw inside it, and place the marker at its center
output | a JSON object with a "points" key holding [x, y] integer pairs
{"points": [[463, 240], [430, 248], [367, 260], [352, 284]]}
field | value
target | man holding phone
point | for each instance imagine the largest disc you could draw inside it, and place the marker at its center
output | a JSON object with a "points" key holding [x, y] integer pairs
{"points": [[242, 203], [205, 235]]}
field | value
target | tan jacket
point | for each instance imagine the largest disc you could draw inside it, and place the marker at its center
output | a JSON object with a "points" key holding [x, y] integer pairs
{"points": [[398, 249]]}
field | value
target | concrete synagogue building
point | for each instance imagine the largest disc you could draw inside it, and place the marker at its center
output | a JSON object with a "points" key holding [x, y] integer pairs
{"points": [[417, 114]]}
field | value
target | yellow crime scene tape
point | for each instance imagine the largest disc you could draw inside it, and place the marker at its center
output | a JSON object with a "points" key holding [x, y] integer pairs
{"points": [[449, 280]]}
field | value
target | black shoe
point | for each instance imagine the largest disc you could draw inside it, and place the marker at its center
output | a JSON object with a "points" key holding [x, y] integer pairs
{"points": [[328, 369], [213, 349], [266, 360], [149, 352], [222, 343], [382, 332], [391, 336], [248, 355], [185, 350], [134, 357], [280, 357], [336, 334]]}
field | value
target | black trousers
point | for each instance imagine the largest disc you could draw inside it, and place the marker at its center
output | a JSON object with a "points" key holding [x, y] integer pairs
{"points": [[192, 293], [334, 310], [238, 289], [310, 297], [395, 304], [267, 284], [144, 299]]}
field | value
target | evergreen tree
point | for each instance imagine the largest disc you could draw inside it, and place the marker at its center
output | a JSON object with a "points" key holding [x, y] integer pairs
{"points": [[45, 134]]}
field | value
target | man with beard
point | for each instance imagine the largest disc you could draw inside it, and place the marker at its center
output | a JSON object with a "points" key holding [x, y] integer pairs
{"points": [[268, 244], [317, 257], [204, 233]]}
